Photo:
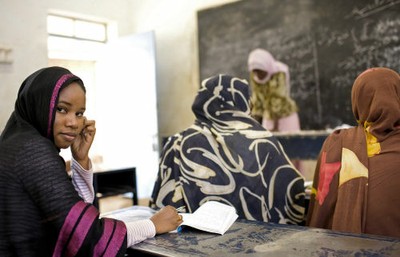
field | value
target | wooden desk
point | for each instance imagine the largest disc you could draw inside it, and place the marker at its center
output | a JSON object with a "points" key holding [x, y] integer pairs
{"points": [[303, 145], [259, 239], [115, 182]]}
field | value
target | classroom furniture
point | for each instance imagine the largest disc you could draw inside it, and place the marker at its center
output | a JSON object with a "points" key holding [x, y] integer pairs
{"points": [[302, 145], [255, 239], [115, 182], [260, 239]]}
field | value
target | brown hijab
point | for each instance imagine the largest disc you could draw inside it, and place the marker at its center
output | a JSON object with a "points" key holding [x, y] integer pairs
{"points": [[357, 180]]}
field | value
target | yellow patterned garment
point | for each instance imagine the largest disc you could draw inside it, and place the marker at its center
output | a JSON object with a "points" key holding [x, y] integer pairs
{"points": [[271, 100]]}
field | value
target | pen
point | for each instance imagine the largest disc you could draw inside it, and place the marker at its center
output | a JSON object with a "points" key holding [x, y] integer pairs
{"points": [[180, 209]]}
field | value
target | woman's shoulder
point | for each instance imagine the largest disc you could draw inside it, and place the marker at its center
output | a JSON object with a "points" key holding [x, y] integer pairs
{"points": [[31, 139], [340, 132], [28, 153], [30, 144], [337, 136]]}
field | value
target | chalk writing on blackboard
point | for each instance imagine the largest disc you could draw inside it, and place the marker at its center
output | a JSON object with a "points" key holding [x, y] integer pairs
{"points": [[371, 8], [325, 43]]}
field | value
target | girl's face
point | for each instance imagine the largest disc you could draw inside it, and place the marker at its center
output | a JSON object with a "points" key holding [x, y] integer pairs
{"points": [[260, 74], [69, 119]]}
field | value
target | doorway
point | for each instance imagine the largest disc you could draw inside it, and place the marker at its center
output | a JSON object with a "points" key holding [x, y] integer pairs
{"points": [[121, 97]]}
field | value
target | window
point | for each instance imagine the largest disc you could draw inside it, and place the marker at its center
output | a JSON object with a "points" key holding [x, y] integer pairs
{"points": [[75, 39], [74, 28], [77, 44]]}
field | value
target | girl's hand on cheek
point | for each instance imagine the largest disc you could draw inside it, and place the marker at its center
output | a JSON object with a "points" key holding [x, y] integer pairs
{"points": [[80, 147]]}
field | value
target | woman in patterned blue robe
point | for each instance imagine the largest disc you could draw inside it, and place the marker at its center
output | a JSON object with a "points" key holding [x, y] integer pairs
{"points": [[228, 156]]}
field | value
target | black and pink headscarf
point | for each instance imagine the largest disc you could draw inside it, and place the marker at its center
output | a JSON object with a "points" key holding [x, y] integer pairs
{"points": [[36, 193], [38, 96]]}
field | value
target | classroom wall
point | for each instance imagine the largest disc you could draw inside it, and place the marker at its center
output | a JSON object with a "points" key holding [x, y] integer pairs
{"points": [[23, 27], [175, 26]]}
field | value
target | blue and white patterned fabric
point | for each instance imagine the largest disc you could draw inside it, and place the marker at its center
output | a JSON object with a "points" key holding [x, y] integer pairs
{"points": [[228, 156]]}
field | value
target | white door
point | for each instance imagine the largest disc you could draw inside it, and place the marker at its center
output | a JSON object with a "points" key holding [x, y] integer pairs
{"points": [[126, 108]]}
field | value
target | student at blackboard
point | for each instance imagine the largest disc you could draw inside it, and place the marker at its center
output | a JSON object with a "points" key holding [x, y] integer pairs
{"points": [[227, 156], [272, 105], [356, 186], [41, 212]]}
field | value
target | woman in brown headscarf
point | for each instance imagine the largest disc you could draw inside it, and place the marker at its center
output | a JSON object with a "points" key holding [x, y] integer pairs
{"points": [[357, 180]]}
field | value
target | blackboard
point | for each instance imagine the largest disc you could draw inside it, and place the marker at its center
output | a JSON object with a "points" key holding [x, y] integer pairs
{"points": [[325, 43]]}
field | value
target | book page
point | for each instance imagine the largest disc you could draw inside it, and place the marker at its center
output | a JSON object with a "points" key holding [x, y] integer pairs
{"points": [[129, 214], [212, 216]]}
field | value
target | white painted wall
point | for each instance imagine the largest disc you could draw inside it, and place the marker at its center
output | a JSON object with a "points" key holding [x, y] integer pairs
{"points": [[23, 26], [174, 22], [175, 25]]}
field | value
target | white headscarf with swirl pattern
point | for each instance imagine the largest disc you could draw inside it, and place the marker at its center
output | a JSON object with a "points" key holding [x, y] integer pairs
{"points": [[229, 157]]}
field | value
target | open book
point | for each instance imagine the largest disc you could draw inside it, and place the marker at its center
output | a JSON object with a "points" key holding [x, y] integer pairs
{"points": [[129, 214], [212, 216]]}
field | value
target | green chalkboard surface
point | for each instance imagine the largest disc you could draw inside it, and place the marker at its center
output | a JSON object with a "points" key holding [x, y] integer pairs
{"points": [[325, 43]]}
